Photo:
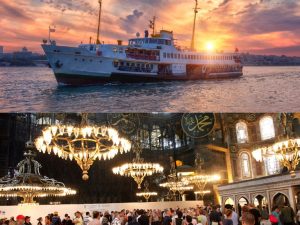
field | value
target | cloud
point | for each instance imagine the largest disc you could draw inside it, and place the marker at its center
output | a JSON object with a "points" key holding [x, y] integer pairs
{"points": [[129, 23], [256, 19], [7, 10], [225, 2], [72, 5], [249, 24]]}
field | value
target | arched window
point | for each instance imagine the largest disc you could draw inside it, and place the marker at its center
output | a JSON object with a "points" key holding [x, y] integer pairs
{"points": [[156, 137], [272, 165], [241, 132], [245, 164], [267, 130]]}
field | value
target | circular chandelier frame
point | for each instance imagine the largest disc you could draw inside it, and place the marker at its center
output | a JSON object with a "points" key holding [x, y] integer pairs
{"points": [[84, 144], [28, 183]]}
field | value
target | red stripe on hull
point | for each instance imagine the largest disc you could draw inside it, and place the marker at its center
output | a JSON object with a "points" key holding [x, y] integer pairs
{"points": [[80, 80]]}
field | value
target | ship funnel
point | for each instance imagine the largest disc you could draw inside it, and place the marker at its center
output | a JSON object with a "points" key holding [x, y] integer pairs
{"points": [[146, 33], [120, 42]]}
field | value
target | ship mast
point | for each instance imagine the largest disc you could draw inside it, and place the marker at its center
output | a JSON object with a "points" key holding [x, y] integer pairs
{"points": [[152, 25], [99, 22], [194, 26]]}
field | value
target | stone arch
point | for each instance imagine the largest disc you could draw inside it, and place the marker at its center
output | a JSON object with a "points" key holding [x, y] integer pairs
{"points": [[241, 201], [280, 199], [260, 200], [229, 200]]}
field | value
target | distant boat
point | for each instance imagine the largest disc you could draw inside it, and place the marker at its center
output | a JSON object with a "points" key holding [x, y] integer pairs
{"points": [[151, 58]]}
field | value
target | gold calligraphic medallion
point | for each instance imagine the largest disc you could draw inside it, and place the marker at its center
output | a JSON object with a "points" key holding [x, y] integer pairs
{"points": [[197, 125]]}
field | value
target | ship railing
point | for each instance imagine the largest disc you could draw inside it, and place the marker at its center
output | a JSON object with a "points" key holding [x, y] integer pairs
{"points": [[143, 57]]}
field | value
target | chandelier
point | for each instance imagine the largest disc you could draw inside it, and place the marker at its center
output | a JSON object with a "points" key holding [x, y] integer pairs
{"points": [[175, 183], [177, 186], [199, 179], [146, 193], [138, 169], [83, 143], [201, 193], [28, 183], [286, 150]]}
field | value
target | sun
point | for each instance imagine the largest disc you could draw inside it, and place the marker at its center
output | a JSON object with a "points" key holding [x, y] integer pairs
{"points": [[209, 46]]}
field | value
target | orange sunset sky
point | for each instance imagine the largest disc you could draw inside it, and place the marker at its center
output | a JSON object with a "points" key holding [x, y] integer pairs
{"points": [[255, 26]]}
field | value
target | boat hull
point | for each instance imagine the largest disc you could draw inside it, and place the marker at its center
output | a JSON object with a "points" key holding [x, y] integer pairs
{"points": [[80, 79]]}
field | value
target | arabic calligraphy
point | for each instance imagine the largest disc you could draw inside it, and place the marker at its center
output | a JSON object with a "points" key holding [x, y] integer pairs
{"points": [[198, 125], [126, 122]]}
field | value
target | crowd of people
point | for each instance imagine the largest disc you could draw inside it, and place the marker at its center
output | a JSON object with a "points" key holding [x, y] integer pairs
{"points": [[209, 215]]}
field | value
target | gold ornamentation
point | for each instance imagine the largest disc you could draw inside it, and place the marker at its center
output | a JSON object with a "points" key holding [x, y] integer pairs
{"points": [[198, 125], [83, 143], [28, 183]]}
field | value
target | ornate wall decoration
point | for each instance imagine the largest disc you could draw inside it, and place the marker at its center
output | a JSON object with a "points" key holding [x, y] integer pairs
{"points": [[198, 125], [127, 123], [251, 117]]}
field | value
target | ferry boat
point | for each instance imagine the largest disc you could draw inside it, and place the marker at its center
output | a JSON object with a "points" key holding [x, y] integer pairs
{"points": [[151, 58]]}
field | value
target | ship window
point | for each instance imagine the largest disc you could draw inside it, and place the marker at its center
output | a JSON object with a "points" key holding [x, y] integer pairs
{"points": [[122, 63], [75, 59], [175, 56], [165, 55], [91, 60], [82, 60], [168, 55], [168, 42], [160, 42]]}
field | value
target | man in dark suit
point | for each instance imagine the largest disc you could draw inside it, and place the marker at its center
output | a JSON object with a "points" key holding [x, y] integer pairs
{"points": [[142, 218]]}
